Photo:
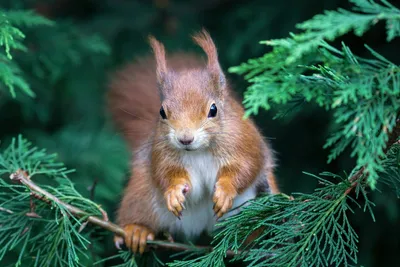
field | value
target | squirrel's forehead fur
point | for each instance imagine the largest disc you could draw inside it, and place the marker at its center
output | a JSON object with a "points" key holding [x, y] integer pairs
{"points": [[190, 85], [190, 92]]}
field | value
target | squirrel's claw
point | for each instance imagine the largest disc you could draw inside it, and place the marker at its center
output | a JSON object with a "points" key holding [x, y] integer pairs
{"points": [[118, 241], [175, 198]]}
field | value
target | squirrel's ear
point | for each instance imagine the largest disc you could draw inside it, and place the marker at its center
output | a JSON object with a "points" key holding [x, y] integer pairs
{"points": [[203, 39], [159, 53]]}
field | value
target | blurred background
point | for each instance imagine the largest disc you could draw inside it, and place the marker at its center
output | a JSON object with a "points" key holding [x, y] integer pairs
{"points": [[69, 65]]}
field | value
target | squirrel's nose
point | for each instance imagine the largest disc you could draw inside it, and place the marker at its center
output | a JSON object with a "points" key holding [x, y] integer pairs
{"points": [[186, 140]]}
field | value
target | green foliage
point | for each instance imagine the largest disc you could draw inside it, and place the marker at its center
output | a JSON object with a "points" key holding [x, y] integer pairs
{"points": [[391, 165], [333, 24], [131, 260], [302, 230], [11, 38], [362, 93], [72, 43], [45, 232], [10, 35]]}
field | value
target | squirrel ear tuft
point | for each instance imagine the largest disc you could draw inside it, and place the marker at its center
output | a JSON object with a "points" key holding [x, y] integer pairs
{"points": [[159, 53], [203, 39]]}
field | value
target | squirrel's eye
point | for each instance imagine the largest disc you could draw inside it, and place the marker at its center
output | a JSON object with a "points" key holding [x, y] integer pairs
{"points": [[162, 113], [213, 111]]}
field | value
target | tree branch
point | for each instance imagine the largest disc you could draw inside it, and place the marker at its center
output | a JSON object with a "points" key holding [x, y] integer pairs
{"points": [[22, 177]]}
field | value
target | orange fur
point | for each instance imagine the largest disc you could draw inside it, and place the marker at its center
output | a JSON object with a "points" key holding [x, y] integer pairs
{"points": [[136, 199], [133, 98], [273, 183], [186, 88], [203, 39], [159, 54], [225, 192]]}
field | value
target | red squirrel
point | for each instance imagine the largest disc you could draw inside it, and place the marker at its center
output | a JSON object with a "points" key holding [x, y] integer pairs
{"points": [[194, 156]]}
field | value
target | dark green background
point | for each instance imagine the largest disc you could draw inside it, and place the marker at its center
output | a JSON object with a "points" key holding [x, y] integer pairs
{"points": [[68, 115]]}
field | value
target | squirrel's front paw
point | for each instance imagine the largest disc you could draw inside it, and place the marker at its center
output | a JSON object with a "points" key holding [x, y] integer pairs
{"points": [[175, 196], [223, 198], [136, 237]]}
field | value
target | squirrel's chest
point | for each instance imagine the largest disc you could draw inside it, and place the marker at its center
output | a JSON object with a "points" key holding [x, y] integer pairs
{"points": [[203, 169]]}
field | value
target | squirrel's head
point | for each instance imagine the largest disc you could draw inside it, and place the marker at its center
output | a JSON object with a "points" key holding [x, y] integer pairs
{"points": [[192, 100]]}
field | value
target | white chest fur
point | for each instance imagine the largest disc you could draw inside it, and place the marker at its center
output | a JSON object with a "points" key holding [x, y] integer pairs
{"points": [[202, 168], [199, 215]]}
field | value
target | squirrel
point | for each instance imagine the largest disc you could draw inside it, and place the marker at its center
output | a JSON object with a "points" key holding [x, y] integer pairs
{"points": [[195, 159]]}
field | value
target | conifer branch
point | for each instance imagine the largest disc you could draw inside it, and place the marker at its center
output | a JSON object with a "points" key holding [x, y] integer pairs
{"points": [[392, 139], [22, 177], [362, 93]]}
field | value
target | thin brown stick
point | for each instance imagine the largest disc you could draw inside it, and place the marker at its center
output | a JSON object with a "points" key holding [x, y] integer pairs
{"points": [[22, 177]]}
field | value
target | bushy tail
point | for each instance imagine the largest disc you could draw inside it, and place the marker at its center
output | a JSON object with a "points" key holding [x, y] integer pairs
{"points": [[133, 97]]}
